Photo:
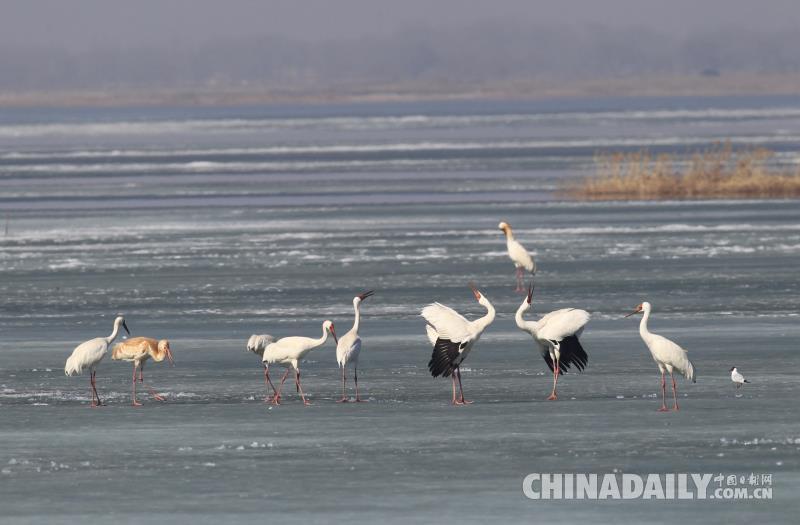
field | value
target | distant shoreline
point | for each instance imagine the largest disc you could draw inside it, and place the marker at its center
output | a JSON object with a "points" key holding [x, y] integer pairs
{"points": [[738, 84]]}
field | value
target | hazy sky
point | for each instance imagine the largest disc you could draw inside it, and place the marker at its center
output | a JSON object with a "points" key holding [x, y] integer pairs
{"points": [[78, 24]]}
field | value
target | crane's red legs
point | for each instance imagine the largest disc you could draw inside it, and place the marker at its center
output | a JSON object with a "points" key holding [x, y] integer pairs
{"points": [[344, 391], [663, 394], [455, 401], [91, 388], [135, 402], [300, 388], [674, 392], [276, 399], [556, 371], [95, 395], [460, 388], [155, 394], [520, 278], [267, 384]]}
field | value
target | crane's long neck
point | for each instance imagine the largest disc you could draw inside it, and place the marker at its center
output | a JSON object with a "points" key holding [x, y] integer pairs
{"points": [[114, 333], [357, 320], [528, 326], [509, 234], [321, 340], [487, 319], [643, 330]]}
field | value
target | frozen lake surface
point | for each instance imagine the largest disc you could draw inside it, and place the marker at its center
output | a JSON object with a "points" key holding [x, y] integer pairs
{"points": [[205, 226]]}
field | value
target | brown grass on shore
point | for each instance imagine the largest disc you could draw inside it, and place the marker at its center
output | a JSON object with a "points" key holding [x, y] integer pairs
{"points": [[716, 173]]}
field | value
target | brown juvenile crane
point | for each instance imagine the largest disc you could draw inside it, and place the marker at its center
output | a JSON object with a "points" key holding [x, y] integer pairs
{"points": [[138, 350]]}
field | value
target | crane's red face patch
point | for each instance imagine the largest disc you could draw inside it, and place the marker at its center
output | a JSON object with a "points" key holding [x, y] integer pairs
{"points": [[475, 291], [638, 310]]}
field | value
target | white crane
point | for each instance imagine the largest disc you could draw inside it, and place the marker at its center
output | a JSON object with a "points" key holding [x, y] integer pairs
{"points": [[88, 355], [519, 256], [557, 335], [138, 350], [667, 355], [452, 337], [289, 351], [737, 378], [349, 347], [257, 344]]}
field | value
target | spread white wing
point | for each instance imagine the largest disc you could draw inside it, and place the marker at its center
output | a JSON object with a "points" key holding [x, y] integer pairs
{"points": [[560, 324], [448, 323]]}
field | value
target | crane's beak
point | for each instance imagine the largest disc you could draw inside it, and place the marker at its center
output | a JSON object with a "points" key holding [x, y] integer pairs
{"points": [[638, 310], [333, 333], [125, 326], [169, 356], [475, 291], [530, 293], [366, 294]]}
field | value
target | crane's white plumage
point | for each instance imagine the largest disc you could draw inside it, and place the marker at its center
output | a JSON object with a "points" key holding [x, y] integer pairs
{"points": [[560, 324], [737, 378], [288, 352], [556, 334], [430, 331], [518, 254], [88, 355], [446, 323], [667, 355], [453, 336], [258, 343], [348, 347]]}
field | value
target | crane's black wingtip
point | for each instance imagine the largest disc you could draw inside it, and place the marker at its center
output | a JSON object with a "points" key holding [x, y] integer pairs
{"points": [[444, 354]]}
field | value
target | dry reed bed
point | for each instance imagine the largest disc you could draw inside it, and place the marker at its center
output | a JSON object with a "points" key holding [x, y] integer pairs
{"points": [[718, 172]]}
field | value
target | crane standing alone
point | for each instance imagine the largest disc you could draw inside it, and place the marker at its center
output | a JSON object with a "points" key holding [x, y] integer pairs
{"points": [[557, 335], [348, 347], [667, 355], [138, 350], [519, 256], [452, 337], [88, 355], [289, 351]]}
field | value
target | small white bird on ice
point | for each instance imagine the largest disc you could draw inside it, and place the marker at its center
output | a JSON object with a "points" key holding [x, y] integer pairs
{"points": [[89, 354], [519, 256], [666, 354], [452, 337], [349, 347], [257, 344], [289, 351], [737, 378]]}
